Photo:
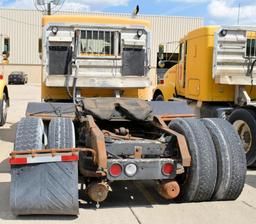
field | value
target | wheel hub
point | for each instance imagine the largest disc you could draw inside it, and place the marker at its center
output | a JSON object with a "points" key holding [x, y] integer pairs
{"points": [[4, 108], [245, 134]]}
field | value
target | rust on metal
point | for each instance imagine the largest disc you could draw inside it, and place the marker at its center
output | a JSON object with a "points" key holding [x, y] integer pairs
{"points": [[169, 117], [89, 173], [137, 152], [185, 155], [169, 190], [97, 140], [48, 117], [119, 137], [53, 152], [98, 191]]}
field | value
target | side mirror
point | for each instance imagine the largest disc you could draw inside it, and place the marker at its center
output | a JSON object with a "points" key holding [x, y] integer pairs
{"points": [[161, 51], [161, 62], [40, 47]]}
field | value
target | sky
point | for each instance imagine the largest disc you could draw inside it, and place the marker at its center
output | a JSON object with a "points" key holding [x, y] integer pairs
{"points": [[224, 12]]}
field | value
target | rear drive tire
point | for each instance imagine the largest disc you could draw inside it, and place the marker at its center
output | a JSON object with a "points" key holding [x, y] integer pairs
{"points": [[50, 188], [244, 121], [29, 134], [61, 133], [198, 182], [231, 160], [159, 98], [3, 110]]}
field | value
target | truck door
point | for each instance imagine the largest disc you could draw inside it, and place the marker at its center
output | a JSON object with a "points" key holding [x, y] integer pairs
{"points": [[182, 65]]}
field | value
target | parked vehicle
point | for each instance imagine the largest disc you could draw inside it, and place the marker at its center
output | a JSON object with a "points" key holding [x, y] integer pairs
{"points": [[95, 125], [4, 100], [17, 78], [216, 74]]}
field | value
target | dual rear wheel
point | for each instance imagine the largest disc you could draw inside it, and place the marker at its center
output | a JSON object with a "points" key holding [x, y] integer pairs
{"points": [[44, 188], [218, 166]]}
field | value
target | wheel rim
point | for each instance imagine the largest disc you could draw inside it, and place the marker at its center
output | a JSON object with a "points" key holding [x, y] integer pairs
{"points": [[4, 108], [245, 134]]}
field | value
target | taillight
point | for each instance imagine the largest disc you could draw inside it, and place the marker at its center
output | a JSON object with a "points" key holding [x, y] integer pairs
{"points": [[1, 76], [167, 169], [115, 170], [161, 81]]}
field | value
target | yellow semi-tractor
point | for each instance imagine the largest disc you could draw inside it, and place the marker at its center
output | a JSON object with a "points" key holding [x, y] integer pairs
{"points": [[216, 74], [96, 126]]}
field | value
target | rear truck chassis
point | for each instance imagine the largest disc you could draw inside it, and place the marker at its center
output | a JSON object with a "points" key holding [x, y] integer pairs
{"points": [[79, 146]]}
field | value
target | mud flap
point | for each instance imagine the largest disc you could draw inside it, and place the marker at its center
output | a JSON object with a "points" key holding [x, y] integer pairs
{"points": [[45, 189]]}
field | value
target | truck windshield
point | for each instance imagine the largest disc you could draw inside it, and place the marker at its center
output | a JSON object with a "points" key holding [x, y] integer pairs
{"points": [[98, 43]]}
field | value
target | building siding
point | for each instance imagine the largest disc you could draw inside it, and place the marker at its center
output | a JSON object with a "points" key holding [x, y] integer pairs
{"points": [[23, 27]]}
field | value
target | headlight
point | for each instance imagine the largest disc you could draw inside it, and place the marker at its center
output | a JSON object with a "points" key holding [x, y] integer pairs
{"points": [[223, 33], [130, 169], [139, 33], [55, 30]]}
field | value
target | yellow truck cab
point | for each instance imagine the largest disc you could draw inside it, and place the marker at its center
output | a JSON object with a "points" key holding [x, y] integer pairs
{"points": [[4, 100], [216, 74], [112, 56], [197, 77]]}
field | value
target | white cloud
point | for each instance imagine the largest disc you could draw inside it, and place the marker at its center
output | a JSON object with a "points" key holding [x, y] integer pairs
{"points": [[184, 1], [218, 11], [72, 5], [95, 5], [75, 6], [189, 1], [25, 4], [226, 12]]}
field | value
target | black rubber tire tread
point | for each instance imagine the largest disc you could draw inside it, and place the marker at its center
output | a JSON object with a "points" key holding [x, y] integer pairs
{"points": [[159, 98], [29, 134], [61, 133], [231, 160], [3, 117], [249, 117], [46, 188], [201, 176]]}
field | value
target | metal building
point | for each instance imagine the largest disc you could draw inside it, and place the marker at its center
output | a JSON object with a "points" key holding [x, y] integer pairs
{"points": [[21, 29]]}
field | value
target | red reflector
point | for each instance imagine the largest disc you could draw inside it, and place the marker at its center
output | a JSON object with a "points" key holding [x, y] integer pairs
{"points": [[69, 158], [18, 161], [1, 76], [162, 81], [167, 169], [115, 170]]}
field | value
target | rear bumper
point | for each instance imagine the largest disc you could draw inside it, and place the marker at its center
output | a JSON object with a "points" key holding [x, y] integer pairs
{"points": [[147, 169]]}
